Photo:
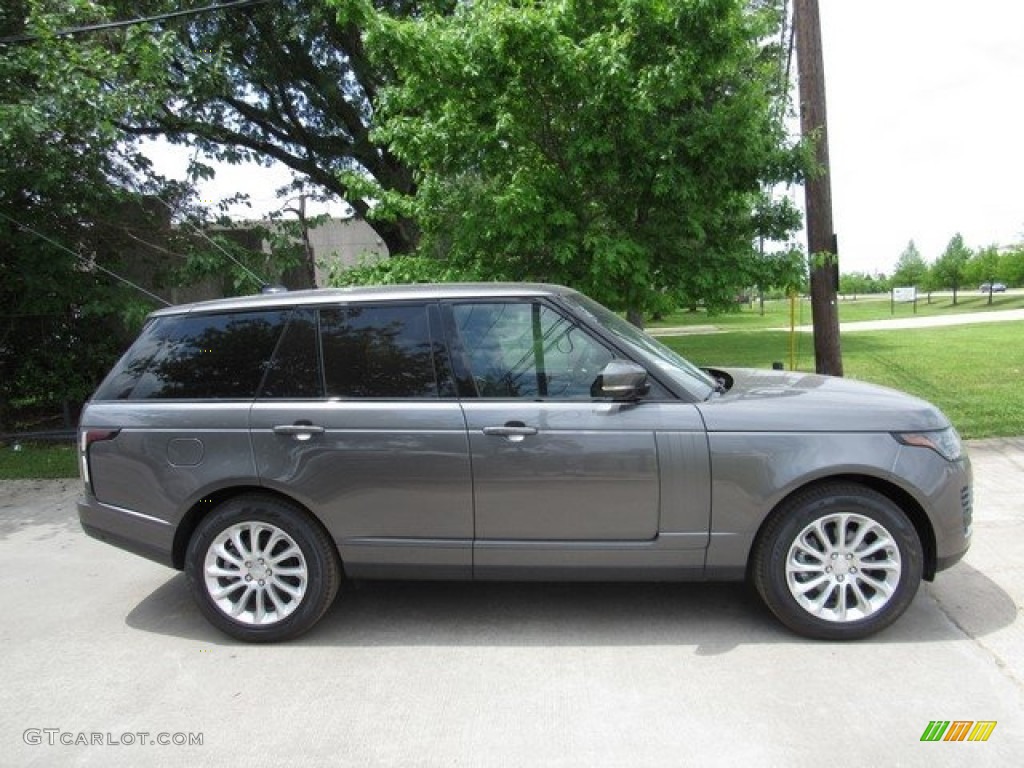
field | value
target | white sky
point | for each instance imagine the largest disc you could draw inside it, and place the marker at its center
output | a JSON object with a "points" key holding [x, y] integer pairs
{"points": [[926, 125], [926, 129]]}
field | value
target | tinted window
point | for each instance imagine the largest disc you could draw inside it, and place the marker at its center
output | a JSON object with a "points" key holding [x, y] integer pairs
{"points": [[528, 350], [378, 351], [197, 356], [295, 371]]}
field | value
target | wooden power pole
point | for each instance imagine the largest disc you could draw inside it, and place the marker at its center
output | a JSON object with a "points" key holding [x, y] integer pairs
{"points": [[821, 239]]}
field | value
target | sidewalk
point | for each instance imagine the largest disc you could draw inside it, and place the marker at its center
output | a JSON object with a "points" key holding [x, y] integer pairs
{"points": [[967, 318]]}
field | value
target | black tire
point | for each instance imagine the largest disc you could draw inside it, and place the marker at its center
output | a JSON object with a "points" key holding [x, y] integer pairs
{"points": [[851, 576], [231, 562]]}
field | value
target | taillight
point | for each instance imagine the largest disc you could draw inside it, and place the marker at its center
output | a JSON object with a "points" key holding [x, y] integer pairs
{"points": [[87, 437]]}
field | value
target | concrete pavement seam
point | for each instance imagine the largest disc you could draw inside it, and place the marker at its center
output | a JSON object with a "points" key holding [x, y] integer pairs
{"points": [[1001, 664]]}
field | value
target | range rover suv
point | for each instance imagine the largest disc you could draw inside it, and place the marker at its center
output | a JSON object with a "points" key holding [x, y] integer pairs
{"points": [[272, 446]]}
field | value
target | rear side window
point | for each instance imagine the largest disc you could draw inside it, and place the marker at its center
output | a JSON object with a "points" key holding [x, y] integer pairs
{"points": [[220, 356], [378, 351]]}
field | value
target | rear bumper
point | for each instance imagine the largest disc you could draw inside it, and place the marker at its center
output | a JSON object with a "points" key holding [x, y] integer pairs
{"points": [[127, 529]]}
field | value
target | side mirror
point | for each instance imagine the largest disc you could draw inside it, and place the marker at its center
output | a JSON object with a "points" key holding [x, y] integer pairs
{"points": [[621, 380]]}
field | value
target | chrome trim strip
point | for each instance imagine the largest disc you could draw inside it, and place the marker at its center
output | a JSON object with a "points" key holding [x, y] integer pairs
{"points": [[133, 513]]}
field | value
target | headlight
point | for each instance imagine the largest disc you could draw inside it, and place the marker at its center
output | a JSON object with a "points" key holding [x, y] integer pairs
{"points": [[945, 442]]}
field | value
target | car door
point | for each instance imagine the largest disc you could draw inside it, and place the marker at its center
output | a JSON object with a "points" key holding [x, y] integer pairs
{"points": [[358, 420], [563, 480]]}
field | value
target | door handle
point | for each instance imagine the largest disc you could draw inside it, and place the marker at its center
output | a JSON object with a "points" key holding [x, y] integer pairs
{"points": [[299, 431], [513, 431]]}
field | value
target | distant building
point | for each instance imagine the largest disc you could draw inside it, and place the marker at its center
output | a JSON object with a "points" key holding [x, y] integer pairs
{"points": [[345, 242], [149, 251]]}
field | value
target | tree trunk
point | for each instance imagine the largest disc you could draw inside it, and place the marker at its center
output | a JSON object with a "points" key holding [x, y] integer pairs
{"points": [[635, 316]]}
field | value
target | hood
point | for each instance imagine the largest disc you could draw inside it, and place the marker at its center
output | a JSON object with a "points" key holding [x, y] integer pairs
{"points": [[781, 401]]}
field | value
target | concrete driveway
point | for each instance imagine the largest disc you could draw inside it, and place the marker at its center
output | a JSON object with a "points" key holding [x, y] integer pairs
{"points": [[100, 647]]}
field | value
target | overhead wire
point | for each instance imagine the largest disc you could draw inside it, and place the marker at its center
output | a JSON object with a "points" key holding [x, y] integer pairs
{"points": [[122, 23], [85, 263], [260, 282]]}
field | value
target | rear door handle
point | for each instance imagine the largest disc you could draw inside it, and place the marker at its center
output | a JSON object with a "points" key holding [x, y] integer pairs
{"points": [[299, 431]]}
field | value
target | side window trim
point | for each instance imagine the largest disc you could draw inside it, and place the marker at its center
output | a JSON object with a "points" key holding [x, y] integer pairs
{"points": [[297, 315], [447, 386]]}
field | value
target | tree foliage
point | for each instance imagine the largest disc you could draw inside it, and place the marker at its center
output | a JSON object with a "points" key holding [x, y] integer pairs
{"points": [[950, 269], [984, 268], [911, 268], [288, 81], [1011, 266], [66, 182], [855, 284], [614, 145]]}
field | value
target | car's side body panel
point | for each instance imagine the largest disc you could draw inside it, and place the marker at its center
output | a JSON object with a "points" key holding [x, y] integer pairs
{"points": [[389, 480], [600, 491], [755, 472]]}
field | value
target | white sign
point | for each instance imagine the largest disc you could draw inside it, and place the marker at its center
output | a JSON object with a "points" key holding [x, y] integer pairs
{"points": [[904, 294]]}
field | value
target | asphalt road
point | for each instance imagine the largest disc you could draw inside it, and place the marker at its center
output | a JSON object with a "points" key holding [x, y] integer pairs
{"points": [[99, 645]]}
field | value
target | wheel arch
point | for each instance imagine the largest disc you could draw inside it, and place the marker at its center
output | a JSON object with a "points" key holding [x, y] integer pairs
{"points": [[897, 495], [211, 501]]}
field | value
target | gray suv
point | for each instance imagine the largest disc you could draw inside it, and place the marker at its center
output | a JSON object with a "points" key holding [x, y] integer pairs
{"points": [[271, 446]]}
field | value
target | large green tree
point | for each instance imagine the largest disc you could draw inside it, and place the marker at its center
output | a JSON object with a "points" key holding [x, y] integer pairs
{"points": [[289, 81], [67, 185], [615, 145]]}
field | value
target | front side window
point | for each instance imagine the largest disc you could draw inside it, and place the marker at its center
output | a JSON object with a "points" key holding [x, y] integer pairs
{"points": [[676, 367], [527, 350], [217, 356], [378, 351]]}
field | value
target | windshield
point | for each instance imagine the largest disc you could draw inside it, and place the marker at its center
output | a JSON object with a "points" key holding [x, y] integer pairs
{"points": [[679, 369]]}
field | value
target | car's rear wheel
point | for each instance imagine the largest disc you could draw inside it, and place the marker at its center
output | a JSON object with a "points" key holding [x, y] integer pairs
{"points": [[838, 562], [261, 570]]}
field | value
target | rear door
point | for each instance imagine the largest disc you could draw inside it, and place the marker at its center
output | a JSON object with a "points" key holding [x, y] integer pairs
{"points": [[358, 419]]}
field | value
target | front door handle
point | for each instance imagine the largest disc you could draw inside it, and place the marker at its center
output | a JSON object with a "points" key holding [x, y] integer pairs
{"points": [[514, 431]]}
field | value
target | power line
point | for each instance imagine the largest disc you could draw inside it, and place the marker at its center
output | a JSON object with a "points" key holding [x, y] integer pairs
{"points": [[259, 280], [89, 28], [83, 261]]}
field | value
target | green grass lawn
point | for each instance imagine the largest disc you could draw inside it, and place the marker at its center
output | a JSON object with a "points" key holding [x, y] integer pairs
{"points": [[864, 308], [38, 460], [973, 372]]}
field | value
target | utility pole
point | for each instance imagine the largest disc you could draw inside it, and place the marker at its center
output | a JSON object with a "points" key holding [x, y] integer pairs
{"points": [[821, 239]]}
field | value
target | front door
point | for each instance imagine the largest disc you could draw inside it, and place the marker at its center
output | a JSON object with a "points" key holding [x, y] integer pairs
{"points": [[559, 477]]}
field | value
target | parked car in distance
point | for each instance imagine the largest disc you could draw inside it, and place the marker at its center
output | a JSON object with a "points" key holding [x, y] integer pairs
{"points": [[272, 446], [992, 287]]}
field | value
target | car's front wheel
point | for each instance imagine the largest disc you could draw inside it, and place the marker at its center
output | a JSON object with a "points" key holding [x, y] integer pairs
{"points": [[261, 570], [838, 562]]}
